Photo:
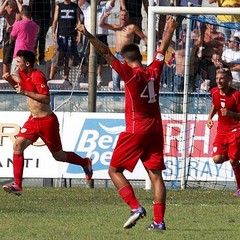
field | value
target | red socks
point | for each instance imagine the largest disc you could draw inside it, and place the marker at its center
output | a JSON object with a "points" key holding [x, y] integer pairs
{"points": [[128, 196], [236, 171], [159, 212], [18, 164], [72, 157]]}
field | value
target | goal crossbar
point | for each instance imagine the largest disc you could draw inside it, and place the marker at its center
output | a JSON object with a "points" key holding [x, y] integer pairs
{"points": [[153, 10]]}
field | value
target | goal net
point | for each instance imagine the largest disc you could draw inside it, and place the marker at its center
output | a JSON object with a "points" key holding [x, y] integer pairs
{"points": [[185, 87]]}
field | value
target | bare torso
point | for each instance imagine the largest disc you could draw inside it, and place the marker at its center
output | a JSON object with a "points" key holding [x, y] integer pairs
{"points": [[124, 35], [180, 61], [38, 109]]}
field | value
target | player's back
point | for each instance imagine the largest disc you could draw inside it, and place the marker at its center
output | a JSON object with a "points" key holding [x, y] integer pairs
{"points": [[142, 101]]}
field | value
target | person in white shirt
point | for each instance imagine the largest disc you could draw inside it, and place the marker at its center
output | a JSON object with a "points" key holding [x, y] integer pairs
{"points": [[102, 33], [231, 56]]}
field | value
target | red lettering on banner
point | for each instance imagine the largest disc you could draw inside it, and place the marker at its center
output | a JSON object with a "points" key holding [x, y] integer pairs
{"points": [[199, 138]]}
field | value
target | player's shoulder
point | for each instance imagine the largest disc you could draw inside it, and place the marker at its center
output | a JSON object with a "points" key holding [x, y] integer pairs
{"points": [[159, 56], [214, 90], [37, 74]]}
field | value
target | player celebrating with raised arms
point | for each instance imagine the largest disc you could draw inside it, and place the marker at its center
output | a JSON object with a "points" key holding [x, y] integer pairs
{"points": [[226, 103], [143, 138]]}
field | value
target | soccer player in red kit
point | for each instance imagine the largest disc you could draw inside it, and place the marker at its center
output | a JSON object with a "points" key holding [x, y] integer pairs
{"points": [[226, 103], [42, 122], [143, 138]]}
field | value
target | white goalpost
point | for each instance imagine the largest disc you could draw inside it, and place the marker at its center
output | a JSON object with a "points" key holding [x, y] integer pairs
{"points": [[188, 12]]}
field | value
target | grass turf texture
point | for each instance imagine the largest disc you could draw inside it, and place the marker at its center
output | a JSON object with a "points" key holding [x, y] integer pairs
{"points": [[79, 213]]}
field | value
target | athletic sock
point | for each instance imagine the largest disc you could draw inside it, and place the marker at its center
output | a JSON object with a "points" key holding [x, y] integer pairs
{"points": [[18, 164], [159, 212], [128, 196], [73, 158], [236, 171]]}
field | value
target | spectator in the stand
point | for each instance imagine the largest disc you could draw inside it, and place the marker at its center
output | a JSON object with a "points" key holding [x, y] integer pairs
{"points": [[180, 55], [65, 36], [134, 8], [24, 32], [213, 41], [184, 3], [232, 22], [125, 33], [231, 56], [41, 14], [208, 71], [101, 33], [11, 13]]}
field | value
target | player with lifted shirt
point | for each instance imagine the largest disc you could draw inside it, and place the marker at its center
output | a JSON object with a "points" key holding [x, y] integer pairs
{"points": [[42, 122], [143, 138], [226, 103]]}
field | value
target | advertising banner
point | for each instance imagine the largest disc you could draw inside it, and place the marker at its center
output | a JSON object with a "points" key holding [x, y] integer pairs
{"points": [[95, 135]]}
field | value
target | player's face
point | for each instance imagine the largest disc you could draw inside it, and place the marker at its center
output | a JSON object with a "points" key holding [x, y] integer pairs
{"points": [[21, 63], [222, 81]]}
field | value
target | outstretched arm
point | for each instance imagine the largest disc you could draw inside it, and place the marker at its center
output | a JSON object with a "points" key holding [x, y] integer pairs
{"points": [[140, 33], [112, 2], [103, 24], [12, 79], [171, 25], [122, 5], [54, 23], [98, 45], [19, 5], [2, 7]]}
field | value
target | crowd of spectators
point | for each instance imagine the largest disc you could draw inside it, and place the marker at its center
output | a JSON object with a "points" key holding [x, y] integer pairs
{"points": [[211, 46]]}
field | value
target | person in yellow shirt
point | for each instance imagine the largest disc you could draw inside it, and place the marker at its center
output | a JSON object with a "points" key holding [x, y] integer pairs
{"points": [[231, 22]]}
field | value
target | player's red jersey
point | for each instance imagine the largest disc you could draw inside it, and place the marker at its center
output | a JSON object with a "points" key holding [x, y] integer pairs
{"points": [[35, 82], [230, 101], [142, 111]]}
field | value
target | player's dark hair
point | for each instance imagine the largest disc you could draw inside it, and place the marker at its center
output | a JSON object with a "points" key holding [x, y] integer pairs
{"points": [[28, 56], [131, 52], [26, 11]]}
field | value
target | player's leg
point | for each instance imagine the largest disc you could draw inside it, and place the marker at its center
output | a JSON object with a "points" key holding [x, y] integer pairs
{"points": [[73, 158], [236, 170], [234, 155], [19, 146], [51, 137], [126, 192], [220, 150], [159, 203], [125, 156]]}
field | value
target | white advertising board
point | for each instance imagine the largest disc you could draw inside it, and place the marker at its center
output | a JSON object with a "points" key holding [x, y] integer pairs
{"points": [[95, 135]]}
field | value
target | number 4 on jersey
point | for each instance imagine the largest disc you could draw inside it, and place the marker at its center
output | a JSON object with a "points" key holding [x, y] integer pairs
{"points": [[148, 92]]}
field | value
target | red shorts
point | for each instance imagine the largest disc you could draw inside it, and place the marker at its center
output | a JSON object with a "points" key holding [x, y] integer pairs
{"points": [[132, 147], [228, 145], [47, 128]]}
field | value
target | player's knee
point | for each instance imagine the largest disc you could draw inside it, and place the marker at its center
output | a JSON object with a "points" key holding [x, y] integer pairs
{"points": [[18, 147], [218, 159], [234, 163], [58, 156], [110, 172]]}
